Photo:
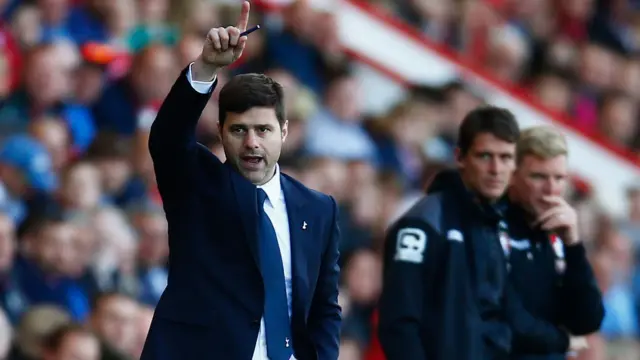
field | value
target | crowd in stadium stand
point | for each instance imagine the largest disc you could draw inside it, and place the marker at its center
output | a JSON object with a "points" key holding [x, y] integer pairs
{"points": [[578, 58], [83, 238]]}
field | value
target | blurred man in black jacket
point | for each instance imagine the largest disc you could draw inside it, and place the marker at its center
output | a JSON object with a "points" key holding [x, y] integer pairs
{"points": [[445, 274], [549, 269]]}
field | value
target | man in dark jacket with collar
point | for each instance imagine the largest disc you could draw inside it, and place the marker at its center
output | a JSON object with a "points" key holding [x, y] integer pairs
{"points": [[549, 268], [445, 274]]}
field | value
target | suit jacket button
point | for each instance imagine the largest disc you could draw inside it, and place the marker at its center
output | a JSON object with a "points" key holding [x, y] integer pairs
{"points": [[255, 321]]}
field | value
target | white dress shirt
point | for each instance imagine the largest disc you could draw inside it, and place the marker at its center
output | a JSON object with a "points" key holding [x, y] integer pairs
{"points": [[276, 210]]}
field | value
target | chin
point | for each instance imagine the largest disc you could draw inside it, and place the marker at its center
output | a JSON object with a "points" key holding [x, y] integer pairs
{"points": [[251, 176], [256, 177], [493, 194]]}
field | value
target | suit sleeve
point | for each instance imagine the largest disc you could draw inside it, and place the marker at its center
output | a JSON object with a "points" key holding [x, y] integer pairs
{"points": [[401, 307], [532, 335], [582, 306], [325, 315], [172, 139]]}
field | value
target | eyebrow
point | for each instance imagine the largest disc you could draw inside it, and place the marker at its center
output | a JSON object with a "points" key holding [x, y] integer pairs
{"points": [[252, 125]]}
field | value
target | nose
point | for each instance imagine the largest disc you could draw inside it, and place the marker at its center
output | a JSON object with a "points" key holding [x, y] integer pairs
{"points": [[494, 165], [552, 187], [251, 140]]}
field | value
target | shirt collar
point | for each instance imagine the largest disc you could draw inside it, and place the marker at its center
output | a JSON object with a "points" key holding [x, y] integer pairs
{"points": [[272, 187]]}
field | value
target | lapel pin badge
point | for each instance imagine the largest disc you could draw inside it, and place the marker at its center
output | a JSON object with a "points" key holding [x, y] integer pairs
{"points": [[304, 225]]}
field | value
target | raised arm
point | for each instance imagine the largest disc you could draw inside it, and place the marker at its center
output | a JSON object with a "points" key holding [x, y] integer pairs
{"points": [[172, 134], [172, 141]]}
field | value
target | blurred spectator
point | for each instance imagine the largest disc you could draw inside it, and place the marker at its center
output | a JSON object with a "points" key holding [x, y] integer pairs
{"points": [[114, 319], [47, 85], [618, 119], [341, 121], [47, 265], [152, 73], [553, 89], [53, 133], [362, 285], [72, 342], [153, 250], [112, 155], [113, 267], [25, 168], [81, 188], [613, 268], [35, 326]]}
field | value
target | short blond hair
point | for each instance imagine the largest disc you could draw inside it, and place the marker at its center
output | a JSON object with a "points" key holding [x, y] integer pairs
{"points": [[541, 141]]}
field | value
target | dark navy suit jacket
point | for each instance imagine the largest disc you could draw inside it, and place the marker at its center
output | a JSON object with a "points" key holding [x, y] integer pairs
{"points": [[213, 303]]}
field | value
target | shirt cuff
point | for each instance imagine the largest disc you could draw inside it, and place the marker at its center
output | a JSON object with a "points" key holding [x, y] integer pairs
{"points": [[203, 87]]}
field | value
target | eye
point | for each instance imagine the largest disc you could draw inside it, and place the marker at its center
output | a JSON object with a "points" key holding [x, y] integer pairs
{"points": [[263, 129]]}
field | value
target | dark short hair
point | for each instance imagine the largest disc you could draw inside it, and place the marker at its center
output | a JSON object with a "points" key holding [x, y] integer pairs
{"points": [[47, 214], [493, 120], [246, 91]]}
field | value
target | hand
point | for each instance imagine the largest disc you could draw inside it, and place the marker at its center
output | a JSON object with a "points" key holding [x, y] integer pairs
{"points": [[222, 47], [560, 218], [578, 343]]}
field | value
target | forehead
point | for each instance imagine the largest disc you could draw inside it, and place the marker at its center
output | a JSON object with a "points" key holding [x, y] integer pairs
{"points": [[76, 338], [253, 117], [84, 170], [556, 164], [486, 142], [117, 303]]}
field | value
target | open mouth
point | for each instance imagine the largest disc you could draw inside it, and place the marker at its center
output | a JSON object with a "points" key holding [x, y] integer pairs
{"points": [[251, 161]]}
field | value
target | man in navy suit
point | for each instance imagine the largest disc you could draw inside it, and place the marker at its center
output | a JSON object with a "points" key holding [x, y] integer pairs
{"points": [[253, 271]]}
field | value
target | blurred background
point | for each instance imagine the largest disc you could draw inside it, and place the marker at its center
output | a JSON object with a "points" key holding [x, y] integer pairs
{"points": [[375, 91]]}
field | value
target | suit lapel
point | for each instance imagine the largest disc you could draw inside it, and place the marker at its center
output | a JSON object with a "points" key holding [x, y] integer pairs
{"points": [[246, 197], [296, 211]]}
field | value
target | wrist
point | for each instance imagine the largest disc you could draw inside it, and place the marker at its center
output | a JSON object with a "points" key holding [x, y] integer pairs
{"points": [[202, 71], [569, 237]]}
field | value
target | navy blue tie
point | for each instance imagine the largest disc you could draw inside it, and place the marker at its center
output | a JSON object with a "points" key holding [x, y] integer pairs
{"points": [[276, 311]]}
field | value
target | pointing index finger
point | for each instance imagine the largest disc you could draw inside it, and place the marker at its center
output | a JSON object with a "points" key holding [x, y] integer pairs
{"points": [[244, 16]]}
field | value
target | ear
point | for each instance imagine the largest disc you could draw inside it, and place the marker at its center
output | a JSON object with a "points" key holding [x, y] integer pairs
{"points": [[459, 157], [285, 130], [219, 130]]}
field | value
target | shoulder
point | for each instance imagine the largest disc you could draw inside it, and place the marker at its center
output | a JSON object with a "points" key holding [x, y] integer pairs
{"points": [[407, 238], [317, 199], [427, 211]]}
